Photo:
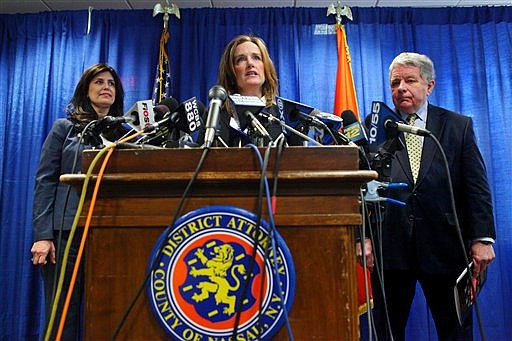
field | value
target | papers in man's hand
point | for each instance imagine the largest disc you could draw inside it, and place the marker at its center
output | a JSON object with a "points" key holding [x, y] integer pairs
{"points": [[466, 291]]}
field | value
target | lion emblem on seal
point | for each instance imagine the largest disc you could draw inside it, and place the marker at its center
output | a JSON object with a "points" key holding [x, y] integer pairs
{"points": [[216, 269]]}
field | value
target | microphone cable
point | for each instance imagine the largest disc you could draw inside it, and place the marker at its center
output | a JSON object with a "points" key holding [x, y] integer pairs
{"points": [[280, 142], [272, 228], [163, 241], [64, 265], [82, 245], [256, 244], [264, 186], [365, 267], [378, 263], [459, 236], [459, 231], [57, 274], [272, 208], [325, 127], [58, 243], [67, 249]]}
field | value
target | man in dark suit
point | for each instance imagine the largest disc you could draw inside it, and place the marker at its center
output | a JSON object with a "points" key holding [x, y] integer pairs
{"points": [[420, 241]]}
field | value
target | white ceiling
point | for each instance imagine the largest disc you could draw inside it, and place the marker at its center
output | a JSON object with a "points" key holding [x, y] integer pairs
{"points": [[30, 6]]}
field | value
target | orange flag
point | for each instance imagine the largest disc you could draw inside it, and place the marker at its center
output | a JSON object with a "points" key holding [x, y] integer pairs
{"points": [[344, 99], [345, 95]]}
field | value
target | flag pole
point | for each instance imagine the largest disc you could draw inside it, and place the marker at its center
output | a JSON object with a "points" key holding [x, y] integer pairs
{"points": [[345, 99], [345, 94], [162, 85]]}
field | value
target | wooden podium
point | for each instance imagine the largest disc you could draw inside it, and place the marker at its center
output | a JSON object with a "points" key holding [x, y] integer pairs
{"points": [[318, 208]]}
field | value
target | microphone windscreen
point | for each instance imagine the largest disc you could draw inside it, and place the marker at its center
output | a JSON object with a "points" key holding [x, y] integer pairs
{"points": [[217, 92], [367, 121], [348, 117], [167, 105]]}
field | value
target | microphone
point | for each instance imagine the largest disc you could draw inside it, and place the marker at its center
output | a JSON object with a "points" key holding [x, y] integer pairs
{"points": [[217, 95], [102, 126], [333, 125], [246, 103], [250, 106], [290, 111], [142, 114], [353, 129], [333, 121], [406, 128], [283, 124], [109, 122], [167, 105], [256, 124], [378, 133], [356, 133], [186, 117], [333, 132], [383, 137], [296, 115]]}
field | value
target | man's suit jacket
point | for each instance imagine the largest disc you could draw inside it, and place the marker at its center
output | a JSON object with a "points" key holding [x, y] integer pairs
{"points": [[422, 235]]}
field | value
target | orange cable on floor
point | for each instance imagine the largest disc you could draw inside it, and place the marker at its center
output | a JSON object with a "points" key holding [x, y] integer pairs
{"points": [[84, 237], [82, 245]]}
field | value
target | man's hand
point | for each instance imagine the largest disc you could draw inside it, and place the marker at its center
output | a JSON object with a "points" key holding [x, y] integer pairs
{"points": [[483, 255], [367, 251]]}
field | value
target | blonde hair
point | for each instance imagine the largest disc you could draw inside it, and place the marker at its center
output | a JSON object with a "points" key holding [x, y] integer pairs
{"points": [[227, 76]]}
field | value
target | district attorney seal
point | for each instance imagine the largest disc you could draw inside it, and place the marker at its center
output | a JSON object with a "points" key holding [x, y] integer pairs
{"points": [[197, 284]]}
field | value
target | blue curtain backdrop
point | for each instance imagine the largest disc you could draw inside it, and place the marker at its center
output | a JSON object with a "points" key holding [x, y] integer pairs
{"points": [[43, 55]]}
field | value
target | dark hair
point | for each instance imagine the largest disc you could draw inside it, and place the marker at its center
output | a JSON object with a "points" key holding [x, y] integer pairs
{"points": [[79, 108], [227, 77]]}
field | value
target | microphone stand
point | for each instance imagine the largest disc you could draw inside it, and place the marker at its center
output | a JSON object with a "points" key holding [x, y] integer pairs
{"points": [[381, 161], [287, 127]]}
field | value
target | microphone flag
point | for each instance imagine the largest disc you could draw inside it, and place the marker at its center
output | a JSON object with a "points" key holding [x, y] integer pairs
{"points": [[288, 109], [141, 114], [162, 84], [378, 133]]}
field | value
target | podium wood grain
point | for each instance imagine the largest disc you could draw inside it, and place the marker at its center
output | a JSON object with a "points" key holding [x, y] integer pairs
{"points": [[318, 209]]}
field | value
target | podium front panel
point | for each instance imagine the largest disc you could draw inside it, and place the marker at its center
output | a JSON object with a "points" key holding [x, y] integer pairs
{"points": [[318, 209]]}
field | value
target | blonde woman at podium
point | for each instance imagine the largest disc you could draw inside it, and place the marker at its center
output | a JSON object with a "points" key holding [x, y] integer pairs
{"points": [[246, 69]]}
